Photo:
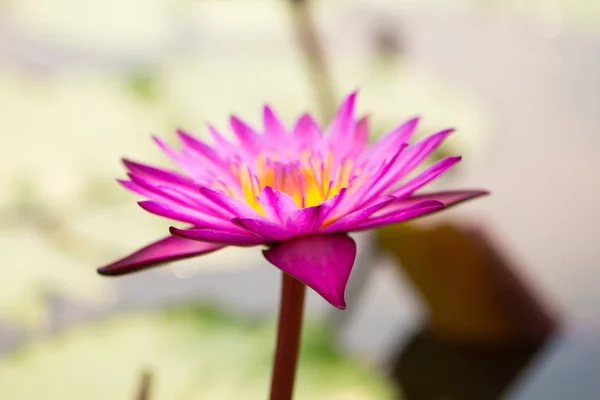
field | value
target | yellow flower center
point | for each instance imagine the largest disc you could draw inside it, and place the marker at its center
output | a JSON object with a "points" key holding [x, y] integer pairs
{"points": [[308, 180]]}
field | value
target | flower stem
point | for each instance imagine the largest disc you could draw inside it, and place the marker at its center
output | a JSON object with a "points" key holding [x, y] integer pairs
{"points": [[288, 338]]}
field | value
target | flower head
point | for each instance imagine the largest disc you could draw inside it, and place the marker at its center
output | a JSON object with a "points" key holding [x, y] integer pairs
{"points": [[297, 191]]}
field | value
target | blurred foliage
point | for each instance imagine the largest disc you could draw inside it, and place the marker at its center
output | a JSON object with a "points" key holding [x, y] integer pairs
{"points": [[32, 272], [193, 352], [143, 84], [58, 162]]}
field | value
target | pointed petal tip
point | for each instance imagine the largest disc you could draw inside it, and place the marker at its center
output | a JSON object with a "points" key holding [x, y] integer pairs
{"points": [[347, 105], [322, 262], [340, 303], [165, 147], [472, 194], [129, 164], [177, 232], [107, 271], [268, 109], [452, 197], [118, 269], [350, 100], [234, 119], [414, 120], [182, 134], [454, 159], [306, 117], [150, 205], [480, 193], [158, 253], [354, 93], [411, 123]]}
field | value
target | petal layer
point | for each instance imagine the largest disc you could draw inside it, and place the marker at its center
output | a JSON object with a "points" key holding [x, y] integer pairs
{"points": [[217, 236], [163, 251], [449, 198], [419, 209], [322, 262]]}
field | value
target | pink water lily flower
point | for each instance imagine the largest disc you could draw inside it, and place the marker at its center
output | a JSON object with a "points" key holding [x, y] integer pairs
{"points": [[296, 191]]}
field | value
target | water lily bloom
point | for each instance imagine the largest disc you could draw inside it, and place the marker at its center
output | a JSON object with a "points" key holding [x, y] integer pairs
{"points": [[297, 191]]}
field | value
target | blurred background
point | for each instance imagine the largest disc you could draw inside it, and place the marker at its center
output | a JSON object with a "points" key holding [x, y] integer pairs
{"points": [[494, 299]]}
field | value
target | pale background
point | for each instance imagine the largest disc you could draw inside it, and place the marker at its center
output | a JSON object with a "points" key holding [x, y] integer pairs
{"points": [[85, 83]]}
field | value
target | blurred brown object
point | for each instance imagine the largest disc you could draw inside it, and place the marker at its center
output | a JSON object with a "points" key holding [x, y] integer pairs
{"points": [[145, 386], [471, 289], [313, 52], [485, 323]]}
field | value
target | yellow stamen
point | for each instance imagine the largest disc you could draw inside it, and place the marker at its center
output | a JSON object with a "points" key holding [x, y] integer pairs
{"points": [[307, 182]]}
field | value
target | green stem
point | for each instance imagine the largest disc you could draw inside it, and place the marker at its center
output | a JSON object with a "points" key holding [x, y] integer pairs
{"points": [[288, 338]]}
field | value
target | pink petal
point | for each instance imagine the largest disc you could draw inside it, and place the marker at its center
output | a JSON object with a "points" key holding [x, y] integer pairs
{"points": [[236, 207], [380, 181], [417, 210], [156, 176], [160, 252], [451, 197], [216, 236], [431, 173], [198, 201], [401, 165], [158, 193], [304, 220], [386, 147], [176, 195], [135, 188], [156, 173], [168, 150], [416, 153], [323, 262], [268, 230], [306, 131], [343, 118], [221, 144], [188, 215], [199, 148], [189, 163], [361, 136], [276, 205], [248, 137], [346, 223], [340, 134], [331, 207], [273, 127]]}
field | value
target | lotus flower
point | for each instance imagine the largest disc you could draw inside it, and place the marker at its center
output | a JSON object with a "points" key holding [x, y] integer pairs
{"points": [[298, 192]]}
